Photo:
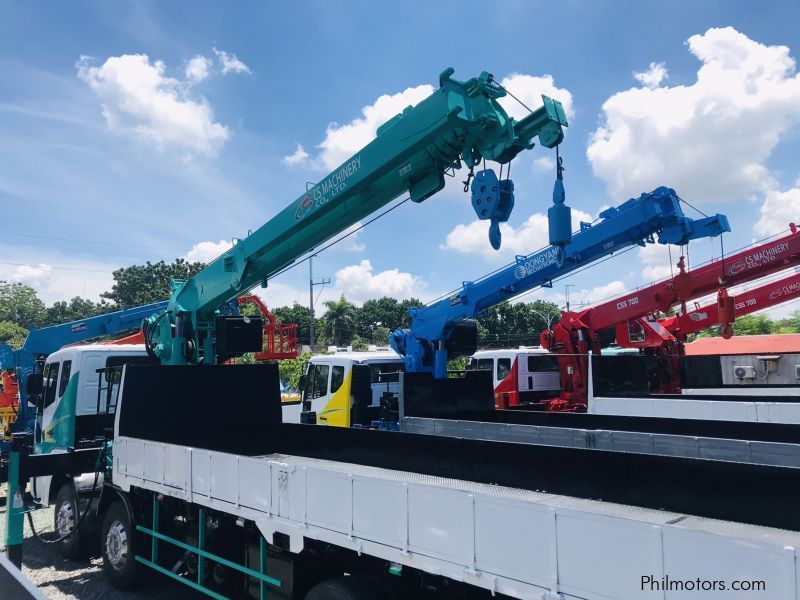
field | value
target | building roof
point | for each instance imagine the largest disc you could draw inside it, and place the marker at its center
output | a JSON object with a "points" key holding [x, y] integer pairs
{"points": [[787, 343]]}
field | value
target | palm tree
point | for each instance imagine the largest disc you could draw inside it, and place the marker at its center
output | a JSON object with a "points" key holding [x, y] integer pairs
{"points": [[340, 319]]}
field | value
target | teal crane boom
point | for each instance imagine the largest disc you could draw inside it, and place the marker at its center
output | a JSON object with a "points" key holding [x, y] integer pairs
{"points": [[461, 123]]}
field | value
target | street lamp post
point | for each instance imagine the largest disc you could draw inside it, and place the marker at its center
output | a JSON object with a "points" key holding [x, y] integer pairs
{"points": [[546, 317]]}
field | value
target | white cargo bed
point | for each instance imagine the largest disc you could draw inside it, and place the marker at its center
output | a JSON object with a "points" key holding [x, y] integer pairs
{"points": [[521, 543], [750, 410]]}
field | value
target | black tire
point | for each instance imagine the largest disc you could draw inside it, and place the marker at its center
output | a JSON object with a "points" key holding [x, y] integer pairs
{"points": [[345, 588], [118, 546], [66, 516]]}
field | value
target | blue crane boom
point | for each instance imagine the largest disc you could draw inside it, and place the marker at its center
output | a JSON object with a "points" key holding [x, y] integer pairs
{"points": [[443, 328], [461, 123]]}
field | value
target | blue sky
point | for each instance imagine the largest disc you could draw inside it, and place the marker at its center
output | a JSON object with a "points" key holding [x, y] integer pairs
{"points": [[135, 131]]}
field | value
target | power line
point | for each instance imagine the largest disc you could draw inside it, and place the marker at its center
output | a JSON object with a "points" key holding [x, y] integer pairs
{"points": [[39, 266], [92, 242]]}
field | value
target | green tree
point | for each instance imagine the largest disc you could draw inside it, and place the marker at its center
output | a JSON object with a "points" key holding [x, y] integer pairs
{"points": [[294, 314], [290, 371], [76, 309], [380, 336], [359, 344], [515, 324], [790, 324], [381, 312], [753, 325], [405, 305], [143, 284], [12, 334], [340, 320], [456, 364], [19, 304]]}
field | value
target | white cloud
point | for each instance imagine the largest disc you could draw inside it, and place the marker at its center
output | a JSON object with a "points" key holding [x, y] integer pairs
{"points": [[349, 239], [578, 298], [139, 99], [529, 89], [298, 158], [231, 63], [359, 283], [708, 139], [36, 276], [653, 77], [544, 164], [281, 294], [655, 259], [205, 252], [342, 141], [778, 210], [197, 68], [601, 293], [55, 277], [532, 235]]}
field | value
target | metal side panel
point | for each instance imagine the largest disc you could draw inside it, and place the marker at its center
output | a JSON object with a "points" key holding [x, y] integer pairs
{"points": [[676, 408], [726, 559], [685, 446], [521, 543]]}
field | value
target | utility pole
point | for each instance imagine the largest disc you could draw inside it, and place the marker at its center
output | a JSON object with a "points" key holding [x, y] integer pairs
{"points": [[311, 284]]}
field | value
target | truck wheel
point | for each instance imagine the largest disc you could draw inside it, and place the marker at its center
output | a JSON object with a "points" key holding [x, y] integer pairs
{"points": [[118, 544], [345, 588], [65, 519]]}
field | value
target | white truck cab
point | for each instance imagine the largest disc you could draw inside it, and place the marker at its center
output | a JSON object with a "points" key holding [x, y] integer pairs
{"points": [[520, 375], [67, 408], [326, 386]]}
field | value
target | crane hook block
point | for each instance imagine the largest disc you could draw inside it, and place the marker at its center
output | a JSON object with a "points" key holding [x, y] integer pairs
{"points": [[492, 199], [559, 217]]}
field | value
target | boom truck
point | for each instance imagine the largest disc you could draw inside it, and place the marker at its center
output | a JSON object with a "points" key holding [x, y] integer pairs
{"points": [[446, 324], [459, 124], [530, 375], [579, 332], [664, 338], [447, 328], [242, 502]]}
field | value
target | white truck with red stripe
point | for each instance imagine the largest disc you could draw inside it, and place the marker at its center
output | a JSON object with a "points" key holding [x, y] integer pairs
{"points": [[524, 375]]}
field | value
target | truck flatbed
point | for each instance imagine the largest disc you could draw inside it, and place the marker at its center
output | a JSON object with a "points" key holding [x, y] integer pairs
{"points": [[522, 543]]}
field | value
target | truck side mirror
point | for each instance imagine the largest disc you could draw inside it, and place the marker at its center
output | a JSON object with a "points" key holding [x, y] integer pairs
{"points": [[33, 384], [302, 383]]}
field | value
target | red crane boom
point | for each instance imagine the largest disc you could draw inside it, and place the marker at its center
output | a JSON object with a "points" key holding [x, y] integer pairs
{"points": [[576, 333], [745, 303]]}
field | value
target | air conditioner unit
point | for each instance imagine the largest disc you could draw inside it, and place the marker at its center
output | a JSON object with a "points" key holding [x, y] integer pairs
{"points": [[744, 372]]}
